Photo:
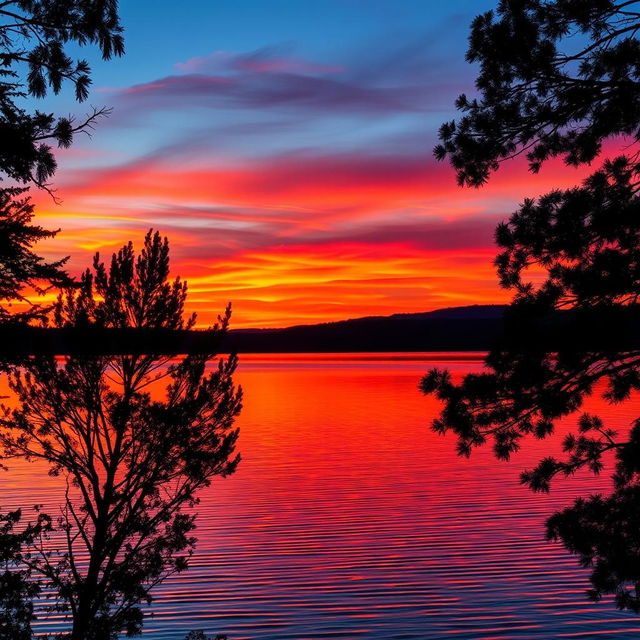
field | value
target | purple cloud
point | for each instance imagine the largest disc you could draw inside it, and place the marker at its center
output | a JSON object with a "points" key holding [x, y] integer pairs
{"points": [[265, 60]]}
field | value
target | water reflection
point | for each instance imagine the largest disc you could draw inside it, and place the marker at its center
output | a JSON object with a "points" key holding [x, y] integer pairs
{"points": [[349, 519]]}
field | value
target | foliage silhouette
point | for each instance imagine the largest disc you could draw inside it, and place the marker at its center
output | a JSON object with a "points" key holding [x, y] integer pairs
{"points": [[21, 267], [17, 588], [132, 460], [557, 77], [604, 532], [575, 250], [587, 242], [34, 36]]}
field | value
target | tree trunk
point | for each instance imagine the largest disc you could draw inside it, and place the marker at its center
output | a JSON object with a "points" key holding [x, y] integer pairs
{"points": [[86, 609]]}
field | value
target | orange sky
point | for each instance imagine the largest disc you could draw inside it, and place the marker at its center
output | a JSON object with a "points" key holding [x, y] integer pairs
{"points": [[300, 240], [293, 174]]}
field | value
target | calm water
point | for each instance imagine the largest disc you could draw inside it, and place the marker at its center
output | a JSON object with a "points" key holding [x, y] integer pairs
{"points": [[348, 518]]}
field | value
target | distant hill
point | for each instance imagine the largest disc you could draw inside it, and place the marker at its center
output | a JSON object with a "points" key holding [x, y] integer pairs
{"points": [[471, 328]]}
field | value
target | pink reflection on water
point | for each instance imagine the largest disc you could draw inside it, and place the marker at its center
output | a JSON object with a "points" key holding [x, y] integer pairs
{"points": [[348, 518]]}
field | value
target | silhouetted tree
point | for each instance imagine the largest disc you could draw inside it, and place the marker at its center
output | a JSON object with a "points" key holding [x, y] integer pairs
{"points": [[587, 241], [604, 532], [17, 588], [20, 267], [133, 459], [33, 37], [557, 78]]}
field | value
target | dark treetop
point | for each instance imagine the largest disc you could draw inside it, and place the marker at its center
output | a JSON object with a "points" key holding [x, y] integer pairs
{"points": [[33, 37], [556, 78]]}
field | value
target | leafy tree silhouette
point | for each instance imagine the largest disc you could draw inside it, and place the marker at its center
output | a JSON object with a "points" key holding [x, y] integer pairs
{"points": [[20, 266], [17, 589], [133, 460], [556, 79], [604, 532], [34, 37]]}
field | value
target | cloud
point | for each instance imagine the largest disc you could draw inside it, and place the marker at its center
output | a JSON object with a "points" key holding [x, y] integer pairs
{"points": [[274, 59], [302, 191], [305, 189], [433, 235], [277, 89], [275, 80]]}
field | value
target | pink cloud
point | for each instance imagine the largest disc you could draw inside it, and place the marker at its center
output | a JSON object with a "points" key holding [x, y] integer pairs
{"points": [[261, 61]]}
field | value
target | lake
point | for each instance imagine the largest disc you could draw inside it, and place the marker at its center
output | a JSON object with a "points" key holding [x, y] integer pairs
{"points": [[348, 518]]}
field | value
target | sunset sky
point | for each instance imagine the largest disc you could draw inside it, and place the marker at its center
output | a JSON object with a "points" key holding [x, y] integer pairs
{"points": [[285, 149]]}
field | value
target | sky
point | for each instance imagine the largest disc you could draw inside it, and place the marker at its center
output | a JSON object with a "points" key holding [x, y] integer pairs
{"points": [[285, 149]]}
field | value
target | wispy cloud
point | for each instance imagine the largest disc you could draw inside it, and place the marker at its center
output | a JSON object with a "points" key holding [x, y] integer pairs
{"points": [[265, 60], [302, 190]]}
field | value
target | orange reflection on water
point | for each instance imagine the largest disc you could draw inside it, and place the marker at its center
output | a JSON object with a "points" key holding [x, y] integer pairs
{"points": [[349, 518]]}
